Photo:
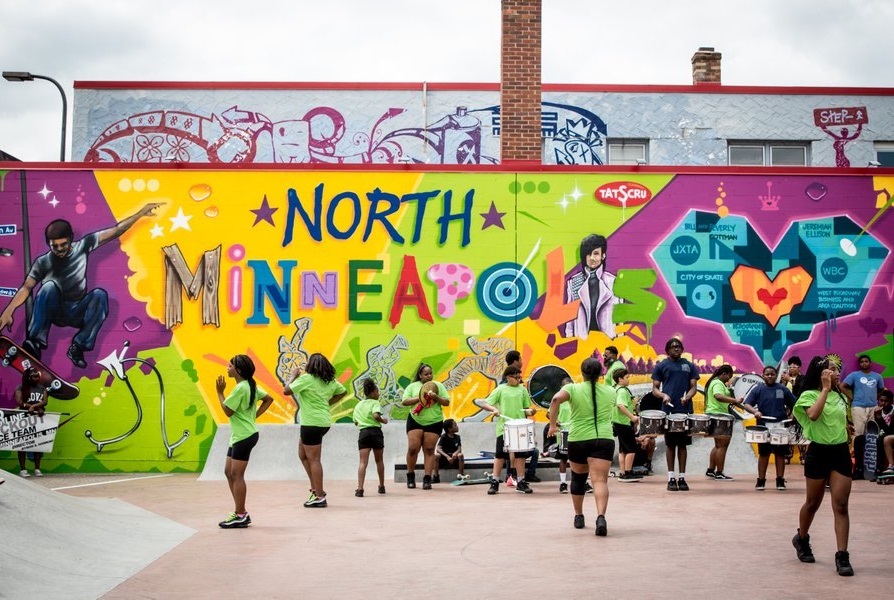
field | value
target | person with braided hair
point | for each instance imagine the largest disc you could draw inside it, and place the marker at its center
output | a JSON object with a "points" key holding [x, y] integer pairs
{"points": [[240, 409], [591, 443]]}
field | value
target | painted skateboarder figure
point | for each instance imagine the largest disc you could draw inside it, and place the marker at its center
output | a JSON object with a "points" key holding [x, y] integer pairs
{"points": [[63, 298]]}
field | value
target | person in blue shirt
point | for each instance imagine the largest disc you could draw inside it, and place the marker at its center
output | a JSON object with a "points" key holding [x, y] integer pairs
{"points": [[775, 401], [674, 382], [862, 388]]}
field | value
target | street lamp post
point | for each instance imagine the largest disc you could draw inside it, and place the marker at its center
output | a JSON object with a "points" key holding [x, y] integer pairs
{"points": [[26, 76]]}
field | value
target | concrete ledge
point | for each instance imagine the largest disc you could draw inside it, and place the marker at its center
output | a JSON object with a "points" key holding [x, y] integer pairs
{"points": [[276, 455]]}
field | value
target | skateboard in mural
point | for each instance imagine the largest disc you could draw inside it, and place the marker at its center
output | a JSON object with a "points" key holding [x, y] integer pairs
{"points": [[16, 357]]}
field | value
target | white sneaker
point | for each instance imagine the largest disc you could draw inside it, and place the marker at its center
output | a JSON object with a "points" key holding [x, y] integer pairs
{"points": [[24, 473], [37, 473]]}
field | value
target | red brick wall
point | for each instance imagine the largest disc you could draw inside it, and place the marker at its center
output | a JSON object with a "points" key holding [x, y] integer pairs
{"points": [[520, 81], [706, 66]]}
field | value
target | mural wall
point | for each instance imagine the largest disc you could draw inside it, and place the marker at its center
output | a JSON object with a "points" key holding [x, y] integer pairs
{"points": [[176, 271], [448, 124]]}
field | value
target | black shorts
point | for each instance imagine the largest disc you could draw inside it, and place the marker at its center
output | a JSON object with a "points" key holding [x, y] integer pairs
{"points": [[435, 428], [241, 450], [626, 437], [371, 437], [766, 449], [500, 450], [579, 452], [822, 459], [675, 439], [443, 464], [312, 436]]}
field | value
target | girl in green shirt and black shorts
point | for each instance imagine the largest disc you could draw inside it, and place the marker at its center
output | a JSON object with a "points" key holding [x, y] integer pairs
{"points": [[821, 410], [315, 389], [239, 407], [591, 445]]}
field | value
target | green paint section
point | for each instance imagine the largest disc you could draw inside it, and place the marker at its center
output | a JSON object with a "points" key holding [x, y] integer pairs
{"points": [[110, 412], [883, 355]]}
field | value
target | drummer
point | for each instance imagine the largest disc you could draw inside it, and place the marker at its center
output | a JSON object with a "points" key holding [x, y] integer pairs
{"points": [[772, 402], [718, 397], [674, 381], [509, 400], [564, 424], [623, 425]]}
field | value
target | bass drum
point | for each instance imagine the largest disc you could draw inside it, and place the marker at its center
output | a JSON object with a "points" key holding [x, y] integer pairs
{"points": [[743, 384], [544, 382]]}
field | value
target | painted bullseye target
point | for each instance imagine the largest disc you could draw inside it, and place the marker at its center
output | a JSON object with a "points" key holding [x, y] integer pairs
{"points": [[506, 292]]}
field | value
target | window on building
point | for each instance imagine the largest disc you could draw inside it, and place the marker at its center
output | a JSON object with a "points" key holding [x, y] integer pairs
{"points": [[628, 152], [884, 154], [769, 154]]}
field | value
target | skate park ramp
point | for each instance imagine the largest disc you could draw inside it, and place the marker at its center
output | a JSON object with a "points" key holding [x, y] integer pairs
{"points": [[53, 545]]}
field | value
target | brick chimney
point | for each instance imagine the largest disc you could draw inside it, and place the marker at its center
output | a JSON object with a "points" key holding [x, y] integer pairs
{"points": [[706, 66], [520, 80]]}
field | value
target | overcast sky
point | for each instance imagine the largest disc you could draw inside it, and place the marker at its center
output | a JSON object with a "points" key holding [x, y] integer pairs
{"points": [[835, 43]]}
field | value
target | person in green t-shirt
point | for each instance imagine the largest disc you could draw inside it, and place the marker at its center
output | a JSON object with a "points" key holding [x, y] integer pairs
{"points": [[314, 389], [718, 397], [558, 445], [424, 423], [591, 446], [239, 407], [612, 363], [623, 425], [369, 419], [509, 401], [821, 410]]}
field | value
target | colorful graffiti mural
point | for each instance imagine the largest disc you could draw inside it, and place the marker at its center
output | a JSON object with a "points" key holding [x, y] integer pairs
{"points": [[460, 124], [383, 269], [321, 136]]}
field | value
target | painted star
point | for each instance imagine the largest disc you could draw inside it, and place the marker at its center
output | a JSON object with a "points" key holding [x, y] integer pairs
{"points": [[576, 194], [493, 217], [563, 203], [45, 191], [157, 231], [264, 213], [53, 202], [180, 221]]}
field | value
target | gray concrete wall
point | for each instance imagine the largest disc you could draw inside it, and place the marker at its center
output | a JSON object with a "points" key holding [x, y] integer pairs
{"points": [[276, 455]]}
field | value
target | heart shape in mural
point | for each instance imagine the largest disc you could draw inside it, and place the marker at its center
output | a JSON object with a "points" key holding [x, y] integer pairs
{"points": [[772, 299], [720, 270]]}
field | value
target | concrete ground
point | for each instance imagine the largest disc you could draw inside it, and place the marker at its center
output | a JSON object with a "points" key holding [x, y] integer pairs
{"points": [[721, 539]]}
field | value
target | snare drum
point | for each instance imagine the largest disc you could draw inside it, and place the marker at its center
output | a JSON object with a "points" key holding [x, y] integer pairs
{"points": [[779, 436], [544, 382], [757, 434], [721, 425], [562, 439], [677, 423], [651, 423], [699, 424], [518, 435]]}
